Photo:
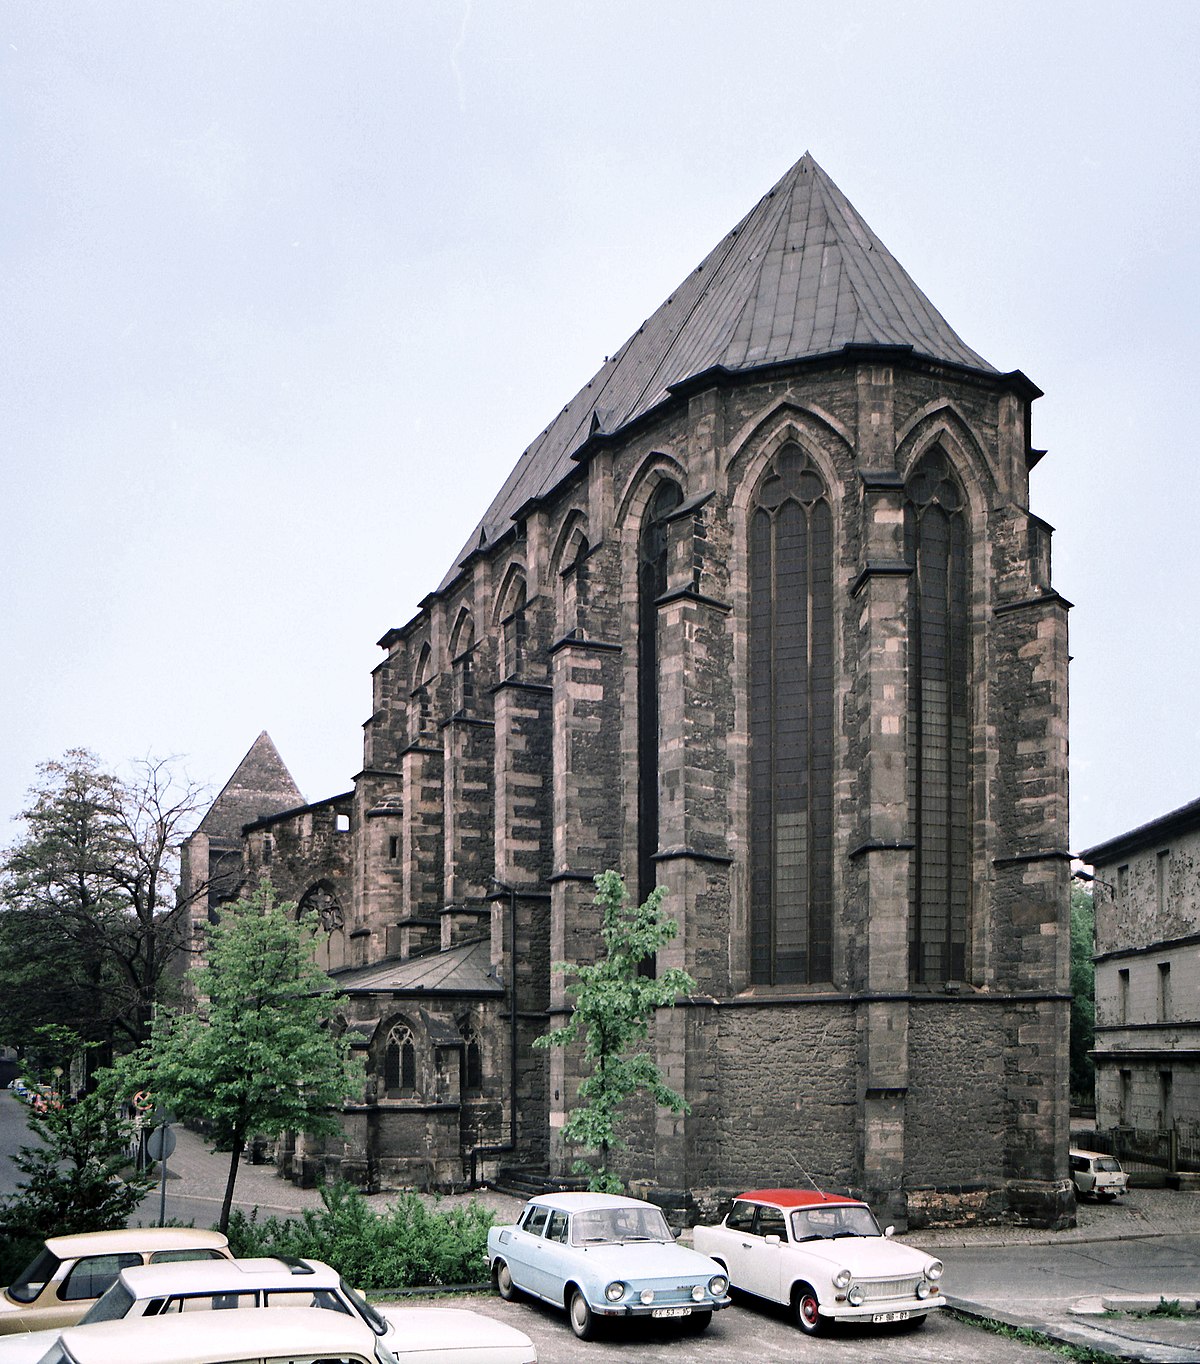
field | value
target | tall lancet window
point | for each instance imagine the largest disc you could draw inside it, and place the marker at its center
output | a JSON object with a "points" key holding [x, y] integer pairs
{"points": [[938, 549], [791, 725], [652, 583]]}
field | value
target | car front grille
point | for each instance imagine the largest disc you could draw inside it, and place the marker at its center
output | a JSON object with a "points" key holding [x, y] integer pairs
{"points": [[882, 1290]]}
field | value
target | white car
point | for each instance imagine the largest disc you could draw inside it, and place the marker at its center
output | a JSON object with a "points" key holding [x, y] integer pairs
{"points": [[292, 1334], [824, 1256], [1098, 1174], [413, 1335]]}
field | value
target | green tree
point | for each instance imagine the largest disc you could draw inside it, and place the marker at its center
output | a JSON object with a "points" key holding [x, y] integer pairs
{"points": [[77, 1173], [614, 1002], [1083, 994], [90, 922], [258, 1053]]}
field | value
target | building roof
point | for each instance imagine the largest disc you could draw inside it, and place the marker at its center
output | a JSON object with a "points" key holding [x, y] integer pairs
{"points": [[260, 786], [801, 276], [1181, 821], [462, 970]]}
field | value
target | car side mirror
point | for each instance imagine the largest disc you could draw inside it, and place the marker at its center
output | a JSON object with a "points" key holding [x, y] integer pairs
{"points": [[771, 1240], [889, 1231], [677, 1232]]}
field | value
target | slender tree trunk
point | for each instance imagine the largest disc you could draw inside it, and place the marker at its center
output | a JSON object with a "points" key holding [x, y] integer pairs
{"points": [[237, 1147]]}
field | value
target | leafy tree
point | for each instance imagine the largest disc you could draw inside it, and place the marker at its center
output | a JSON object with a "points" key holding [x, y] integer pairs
{"points": [[77, 1175], [257, 1054], [613, 1005], [1083, 994], [90, 924]]}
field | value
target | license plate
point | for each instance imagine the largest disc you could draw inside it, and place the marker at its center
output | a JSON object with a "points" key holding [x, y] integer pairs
{"points": [[891, 1316], [671, 1312]]}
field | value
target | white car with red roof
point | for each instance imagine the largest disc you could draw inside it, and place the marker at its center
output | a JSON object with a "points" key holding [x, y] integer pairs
{"points": [[824, 1256]]}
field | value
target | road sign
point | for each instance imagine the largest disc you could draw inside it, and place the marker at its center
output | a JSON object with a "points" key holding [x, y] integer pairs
{"points": [[160, 1143]]}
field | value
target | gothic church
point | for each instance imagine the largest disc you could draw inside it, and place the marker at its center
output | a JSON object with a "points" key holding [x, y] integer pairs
{"points": [[762, 616]]}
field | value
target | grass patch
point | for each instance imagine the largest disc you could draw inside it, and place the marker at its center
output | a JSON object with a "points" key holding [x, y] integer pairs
{"points": [[1026, 1335]]}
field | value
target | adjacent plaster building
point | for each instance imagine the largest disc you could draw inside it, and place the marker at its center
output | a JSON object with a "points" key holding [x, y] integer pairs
{"points": [[762, 616], [1147, 902]]}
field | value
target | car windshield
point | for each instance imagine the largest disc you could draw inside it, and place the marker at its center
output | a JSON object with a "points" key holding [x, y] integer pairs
{"points": [[367, 1312], [833, 1220], [28, 1285], [111, 1305], [598, 1226]]}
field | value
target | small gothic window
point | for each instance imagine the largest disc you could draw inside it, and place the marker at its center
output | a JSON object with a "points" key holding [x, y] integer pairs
{"points": [[400, 1063], [322, 901], [421, 705], [574, 584], [463, 663], [515, 632], [472, 1062]]}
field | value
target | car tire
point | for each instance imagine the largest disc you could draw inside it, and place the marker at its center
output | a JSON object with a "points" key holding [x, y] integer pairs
{"points": [[915, 1323], [806, 1310], [503, 1279], [583, 1323], [697, 1323]]}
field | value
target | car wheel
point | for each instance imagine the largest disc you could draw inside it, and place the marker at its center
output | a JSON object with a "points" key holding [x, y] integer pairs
{"points": [[697, 1322], [502, 1276], [807, 1310], [915, 1323], [582, 1321]]}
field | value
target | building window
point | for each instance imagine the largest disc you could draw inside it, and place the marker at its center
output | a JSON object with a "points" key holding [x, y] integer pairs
{"points": [[1162, 869], [653, 547], [472, 1062], [341, 823], [421, 704], [322, 901], [1123, 995], [1123, 881], [400, 1063], [937, 548], [1125, 1098], [573, 581], [268, 848], [791, 658], [1164, 991], [514, 631], [393, 847], [462, 650]]}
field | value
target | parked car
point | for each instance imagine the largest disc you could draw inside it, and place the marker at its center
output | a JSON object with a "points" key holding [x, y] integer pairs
{"points": [[1097, 1175], [283, 1337], [600, 1256], [824, 1256], [70, 1272], [415, 1335]]}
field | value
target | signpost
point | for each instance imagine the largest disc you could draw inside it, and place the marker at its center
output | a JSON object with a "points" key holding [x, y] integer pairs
{"points": [[159, 1146]]}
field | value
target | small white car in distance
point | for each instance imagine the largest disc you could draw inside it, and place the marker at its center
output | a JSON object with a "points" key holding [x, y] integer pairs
{"points": [[414, 1335], [822, 1255], [1097, 1174]]}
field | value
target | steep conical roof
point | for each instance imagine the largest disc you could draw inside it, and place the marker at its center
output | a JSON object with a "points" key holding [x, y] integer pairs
{"points": [[802, 275], [260, 786]]}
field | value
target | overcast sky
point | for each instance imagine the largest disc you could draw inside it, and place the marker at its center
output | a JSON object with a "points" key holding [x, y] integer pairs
{"points": [[287, 287]]}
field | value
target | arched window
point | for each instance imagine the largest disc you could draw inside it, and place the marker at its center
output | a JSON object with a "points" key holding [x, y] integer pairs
{"points": [[321, 899], [462, 650], [791, 657], [400, 1063], [573, 580], [421, 705], [513, 628], [652, 583], [472, 1061], [938, 549]]}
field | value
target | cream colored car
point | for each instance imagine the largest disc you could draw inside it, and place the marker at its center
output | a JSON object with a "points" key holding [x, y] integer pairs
{"points": [[290, 1335], [71, 1272]]}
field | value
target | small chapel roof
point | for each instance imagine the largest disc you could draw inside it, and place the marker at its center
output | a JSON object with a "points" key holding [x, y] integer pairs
{"points": [[462, 970], [802, 276]]}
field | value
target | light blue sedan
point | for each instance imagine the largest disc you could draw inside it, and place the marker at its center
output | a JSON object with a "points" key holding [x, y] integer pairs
{"points": [[599, 1255]]}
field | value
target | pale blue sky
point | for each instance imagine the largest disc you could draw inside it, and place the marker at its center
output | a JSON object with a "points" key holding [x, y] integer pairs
{"points": [[287, 288]]}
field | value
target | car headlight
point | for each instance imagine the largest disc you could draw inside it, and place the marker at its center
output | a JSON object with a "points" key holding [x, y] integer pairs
{"points": [[923, 1289], [647, 1296], [855, 1296], [933, 1270], [842, 1279], [718, 1285], [615, 1291]]}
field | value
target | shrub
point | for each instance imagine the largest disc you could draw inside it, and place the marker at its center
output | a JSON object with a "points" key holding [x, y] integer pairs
{"points": [[407, 1245]]}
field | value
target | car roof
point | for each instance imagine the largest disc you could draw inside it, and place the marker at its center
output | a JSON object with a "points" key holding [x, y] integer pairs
{"points": [[587, 1202], [1084, 1151], [210, 1337], [227, 1276], [794, 1198], [127, 1239]]}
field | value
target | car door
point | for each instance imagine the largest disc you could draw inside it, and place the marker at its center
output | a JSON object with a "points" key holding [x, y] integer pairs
{"points": [[762, 1254], [735, 1245], [526, 1249], [552, 1265]]}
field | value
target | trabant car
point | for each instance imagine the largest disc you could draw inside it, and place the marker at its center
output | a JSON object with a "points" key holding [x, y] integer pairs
{"points": [[70, 1272], [292, 1335], [824, 1256], [415, 1335], [602, 1256], [1096, 1174]]}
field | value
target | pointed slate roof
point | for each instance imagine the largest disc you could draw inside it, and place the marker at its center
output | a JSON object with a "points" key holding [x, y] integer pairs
{"points": [[801, 276], [260, 786]]}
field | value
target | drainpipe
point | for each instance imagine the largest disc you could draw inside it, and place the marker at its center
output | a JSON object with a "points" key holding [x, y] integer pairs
{"points": [[510, 1146]]}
